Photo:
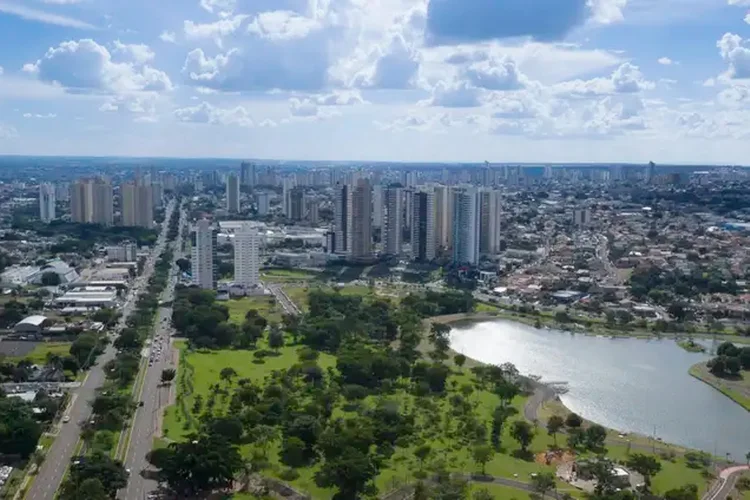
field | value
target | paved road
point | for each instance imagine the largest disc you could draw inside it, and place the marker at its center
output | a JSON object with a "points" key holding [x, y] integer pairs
{"points": [[154, 395], [289, 306], [725, 484], [58, 457]]}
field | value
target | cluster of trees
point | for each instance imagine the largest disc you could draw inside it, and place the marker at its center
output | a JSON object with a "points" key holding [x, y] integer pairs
{"points": [[665, 286], [439, 303], [197, 316], [83, 237], [22, 370], [94, 477], [730, 360], [20, 429]]}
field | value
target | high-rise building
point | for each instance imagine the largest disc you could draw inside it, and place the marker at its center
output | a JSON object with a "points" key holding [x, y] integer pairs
{"points": [[650, 172], [313, 210], [361, 219], [127, 252], [286, 196], [157, 194], [443, 218], [466, 226], [247, 256], [247, 174], [297, 203], [62, 191], [91, 201], [423, 226], [490, 225], [46, 203], [392, 227], [408, 208], [582, 217], [137, 204], [264, 202], [342, 220], [204, 255], [378, 206], [233, 193]]}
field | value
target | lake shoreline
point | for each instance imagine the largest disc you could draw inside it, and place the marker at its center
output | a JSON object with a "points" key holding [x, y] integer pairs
{"points": [[700, 372], [545, 393]]}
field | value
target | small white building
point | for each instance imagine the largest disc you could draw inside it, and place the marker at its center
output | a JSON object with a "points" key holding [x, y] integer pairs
{"points": [[31, 324]]}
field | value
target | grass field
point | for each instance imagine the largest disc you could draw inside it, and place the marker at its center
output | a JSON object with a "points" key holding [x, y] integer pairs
{"points": [[265, 305], [38, 355], [737, 390], [281, 275], [299, 294]]}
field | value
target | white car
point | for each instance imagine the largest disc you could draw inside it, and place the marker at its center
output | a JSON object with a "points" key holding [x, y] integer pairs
{"points": [[66, 419]]}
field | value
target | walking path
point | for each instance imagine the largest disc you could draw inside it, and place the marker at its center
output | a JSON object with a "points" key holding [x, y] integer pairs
{"points": [[724, 485]]}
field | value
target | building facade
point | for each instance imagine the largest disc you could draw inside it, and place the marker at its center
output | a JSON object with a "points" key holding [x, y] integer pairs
{"points": [[247, 174], [465, 226], [443, 218], [247, 257], [137, 204], [361, 249], [392, 227], [204, 256], [491, 206], [46, 203], [342, 220], [91, 202], [233, 193], [423, 226]]}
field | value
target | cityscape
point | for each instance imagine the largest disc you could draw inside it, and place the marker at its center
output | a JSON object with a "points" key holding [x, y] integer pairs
{"points": [[374, 249], [152, 312]]}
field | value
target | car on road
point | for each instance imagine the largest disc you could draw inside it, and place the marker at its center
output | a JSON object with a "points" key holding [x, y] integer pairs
{"points": [[66, 419]]}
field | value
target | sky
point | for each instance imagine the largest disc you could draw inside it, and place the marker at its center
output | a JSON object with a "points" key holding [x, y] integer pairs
{"points": [[389, 80]]}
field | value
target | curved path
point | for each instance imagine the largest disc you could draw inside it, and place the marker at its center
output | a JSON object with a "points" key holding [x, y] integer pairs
{"points": [[725, 483]]}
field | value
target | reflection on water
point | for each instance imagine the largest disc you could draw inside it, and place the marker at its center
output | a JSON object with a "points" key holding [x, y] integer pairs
{"points": [[628, 384]]}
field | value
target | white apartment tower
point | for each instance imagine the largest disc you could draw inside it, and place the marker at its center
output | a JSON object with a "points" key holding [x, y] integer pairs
{"points": [[392, 227], [378, 206], [247, 174], [47, 203], [423, 226], [137, 204], [204, 255], [264, 202], [443, 218], [466, 220], [361, 232], [91, 202], [247, 257], [233, 193], [288, 185], [490, 226]]}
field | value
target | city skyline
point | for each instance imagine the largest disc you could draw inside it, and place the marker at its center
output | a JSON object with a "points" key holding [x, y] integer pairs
{"points": [[404, 80]]}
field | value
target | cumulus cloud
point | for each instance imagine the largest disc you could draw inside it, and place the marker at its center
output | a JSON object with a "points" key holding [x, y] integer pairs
{"points": [[40, 116], [137, 53], [1, 71], [434, 122], [455, 95], [219, 6], [393, 65], [283, 25], [168, 37], [627, 78], [86, 66], [215, 30], [340, 98], [209, 114], [734, 50], [7, 132], [304, 108], [495, 75], [665, 61], [607, 11]]}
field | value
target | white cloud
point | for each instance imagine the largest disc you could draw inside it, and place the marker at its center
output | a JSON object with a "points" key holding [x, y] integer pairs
{"points": [[627, 78], [283, 25], [456, 95], [665, 61], [734, 50], [434, 122], [607, 11], [219, 6], [137, 53], [215, 30], [209, 114], [168, 37], [86, 66], [302, 108], [340, 98], [495, 75], [747, 18], [31, 14], [7, 132], [41, 116], [1, 71]]}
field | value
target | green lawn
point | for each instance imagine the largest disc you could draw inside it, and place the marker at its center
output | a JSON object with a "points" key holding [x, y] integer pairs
{"points": [[265, 305], [299, 294], [281, 275], [39, 354], [507, 493], [207, 365]]}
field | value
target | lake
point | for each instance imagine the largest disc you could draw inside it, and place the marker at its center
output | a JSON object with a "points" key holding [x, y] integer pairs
{"points": [[627, 384]]}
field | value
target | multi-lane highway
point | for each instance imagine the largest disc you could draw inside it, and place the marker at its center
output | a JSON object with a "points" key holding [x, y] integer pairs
{"points": [[58, 456], [153, 395]]}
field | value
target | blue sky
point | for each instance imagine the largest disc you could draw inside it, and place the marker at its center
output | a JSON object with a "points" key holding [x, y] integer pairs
{"points": [[394, 80]]}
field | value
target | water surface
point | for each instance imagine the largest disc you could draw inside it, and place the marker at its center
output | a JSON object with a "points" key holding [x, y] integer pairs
{"points": [[628, 384]]}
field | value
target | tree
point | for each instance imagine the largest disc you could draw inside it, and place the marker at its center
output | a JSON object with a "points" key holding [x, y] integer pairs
{"points": [[483, 494], [168, 375], [554, 425], [201, 465], [351, 471], [227, 374], [275, 339], [109, 473], [687, 492], [293, 452], [422, 453], [602, 471], [645, 465], [481, 455], [596, 435], [264, 436], [50, 278], [522, 432], [459, 360], [543, 482], [573, 421]]}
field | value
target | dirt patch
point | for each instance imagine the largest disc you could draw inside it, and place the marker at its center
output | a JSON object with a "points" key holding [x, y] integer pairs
{"points": [[555, 457]]}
